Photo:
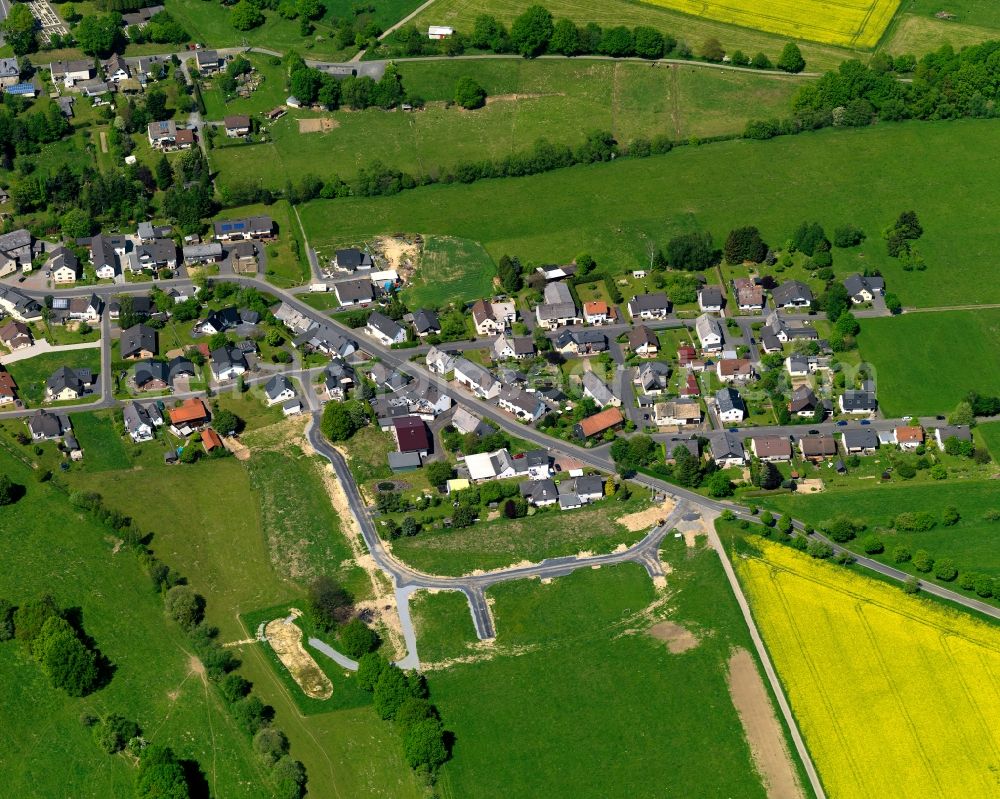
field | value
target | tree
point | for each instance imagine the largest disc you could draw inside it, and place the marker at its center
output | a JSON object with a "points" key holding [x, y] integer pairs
{"points": [[945, 570], [8, 491], [745, 244], [909, 226], [250, 714], [617, 42], [65, 660], [847, 324], [357, 639], [464, 516], [712, 50], [872, 545], [911, 585], [488, 33], [270, 745], [791, 59], [234, 687], [531, 31], [469, 94], [648, 42], [76, 224], [438, 472], [6, 620], [819, 549], [226, 422], [338, 423], [691, 251], [112, 732], [565, 38], [290, 777], [160, 775], [922, 561], [629, 454], [97, 34], [901, 554], [840, 529], [19, 29], [719, 485], [370, 668], [423, 744], [184, 606], [893, 303], [687, 468], [246, 15], [410, 527], [327, 601], [760, 61], [765, 474], [164, 174], [785, 524], [810, 238], [836, 301], [848, 236], [962, 415], [509, 270], [30, 617], [390, 690]]}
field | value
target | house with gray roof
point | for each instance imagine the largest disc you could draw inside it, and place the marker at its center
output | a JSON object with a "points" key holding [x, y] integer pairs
{"points": [[730, 405], [863, 289], [792, 294], [48, 426], [558, 307], [726, 448], [649, 306], [477, 379], [67, 383], [526, 406], [354, 292], [138, 341], [599, 391], [859, 441], [709, 333], [384, 329], [278, 389]]}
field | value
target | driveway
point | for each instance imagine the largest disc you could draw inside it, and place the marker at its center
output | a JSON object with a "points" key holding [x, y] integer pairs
{"points": [[42, 347]]}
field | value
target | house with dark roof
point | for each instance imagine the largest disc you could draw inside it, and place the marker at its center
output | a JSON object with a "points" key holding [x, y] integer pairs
{"points": [[771, 448], [384, 329], [859, 441], [525, 406], [104, 254], [652, 377], [227, 363], [960, 432], [208, 61], [804, 402], [354, 292], [730, 405], [253, 227], [220, 321], [710, 299], [792, 294], [539, 493], [581, 342], [67, 383], [141, 420], [411, 435], [152, 375], [138, 341], [599, 391], [858, 402], [643, 342], [48, 426], [816, 448], [236, 125], [157, 254], [63, 266], [861, 288], [506, 347], [278, 389], [16, 335], [352, 259], [426, 322], [649, 306], [726, 448]]}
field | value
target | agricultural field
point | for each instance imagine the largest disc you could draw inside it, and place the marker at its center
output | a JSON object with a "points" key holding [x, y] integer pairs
{"points": [[926, 363], [694, 30], [611, 210], [528, 100], [503, 542], [973, 543], [989, 433], [450, 270], [153, 682], [916, 29], [845, 23], [576, 688], [878, 654], [31, 373]]}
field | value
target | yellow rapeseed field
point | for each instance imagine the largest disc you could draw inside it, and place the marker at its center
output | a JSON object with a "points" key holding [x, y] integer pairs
{"points": [[896, 696], [846, 23]]}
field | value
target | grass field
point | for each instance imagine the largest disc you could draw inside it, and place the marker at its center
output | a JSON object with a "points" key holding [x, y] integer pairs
{"points": [[502, 542], [846, 23], [444, 625], [973, 543], [693, 29], [927, 363], [530, 100], [208, 523], [916, 29], [47, 751], [451, 270], [579, 701], [878, 654], [990, 433], [31, 373], [103, 448], [865, 177]]}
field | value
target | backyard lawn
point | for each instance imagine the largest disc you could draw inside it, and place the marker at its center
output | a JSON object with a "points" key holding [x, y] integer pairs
{"points": [[611, 210], [32, 373], [269, 94]]}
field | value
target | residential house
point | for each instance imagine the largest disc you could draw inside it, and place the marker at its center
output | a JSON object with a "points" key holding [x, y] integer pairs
{"points": [[191, 415], [220, 321], [352, 259], [387, 377], [475, 378], [730, 405], [771, 448], [138, 341], [533, 464], [507, 347], [525, 406], [556, 272], [439, 362], [652, 377], [686, 355], [643, 342], [599, 391], [104, 254], [426, 401], [426, 323], [354, 292], [8, 389], [67, 383], [496, 465], [672, 443], [690, 388], [19, 305], [198, 254], [749, 295], [338, 378], [792, 294], [278, 389], [734, 370], [804, 403], [237, 125], [16, 247], [162, 134], [10, 72], [411, 435], [649, 306], [253, 227], [861, 288], [909, 437], [291, 407], [943, 433], [403, 461], [862, 403], [384, 329], [709, 333], [783, 332], [85, 309], [294, 319], [558, 308], [63, 265], [210, 440], [140, 18], [726, 449], [141, 420], [156, 254], [540, 493], [676, 413], [801, 365], [116, 69], [16, 335], [859, 441], [227, 363], [46, 426], [466, 422], [596, 312], [208, 61], [587, 488], [581, 342], [599, 423], [816, 448], [710, 299], [69, 73], [152, 375]]}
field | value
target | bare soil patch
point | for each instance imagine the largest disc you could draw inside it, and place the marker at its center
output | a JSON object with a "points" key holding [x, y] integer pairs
{"points": [[240, 451], [811, 486], [764, 734], [401, 254], [320, 125], [677, 638], [285, 639], [513, 98], [641, 520]]}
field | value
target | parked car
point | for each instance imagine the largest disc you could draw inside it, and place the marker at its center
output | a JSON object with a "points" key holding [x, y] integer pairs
{"points": [[841, 423], [866, 421], [814, 432]]}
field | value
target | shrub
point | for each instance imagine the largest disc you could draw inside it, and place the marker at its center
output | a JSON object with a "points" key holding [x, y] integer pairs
{"points": [[840, 529], [901, 554], [184, 606], [234, 687], [950, 516], [357, 639], [945, 570], [907, 471], [251, 714], [6, 620], [469, 94], [113, 732], [922, 561], [370, 668], [911, 585], [799, 542], [819, 549], [984, 586], [872, 545], [919, 521], [270, 745], [767, 519]]}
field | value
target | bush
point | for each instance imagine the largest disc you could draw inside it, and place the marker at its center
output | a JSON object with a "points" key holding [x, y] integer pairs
{"points": [[872, 545], [370, 668], [819, 549], [848, 236], [270, 745], [469, 94], [907, 471], [113, 732], [357, 639], [184, 606], [840, 529], [234, 687], [901, 554], [950, 516], [945, 570], [922, 561], [911, 585], [985, 587], [767, 519], [251, 714], [6, 620]]}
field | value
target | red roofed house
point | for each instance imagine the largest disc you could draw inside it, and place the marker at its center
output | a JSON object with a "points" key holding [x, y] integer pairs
{"points": [[411, 435], [596, 312], [188, 417], [607, 419], [686, 354], [8, 389], [210, 439], [909, 437], [690, 387]]}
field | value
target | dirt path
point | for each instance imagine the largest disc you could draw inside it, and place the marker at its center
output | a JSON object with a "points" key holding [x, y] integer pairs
{"points": [[104, 141], [764, 734]]}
